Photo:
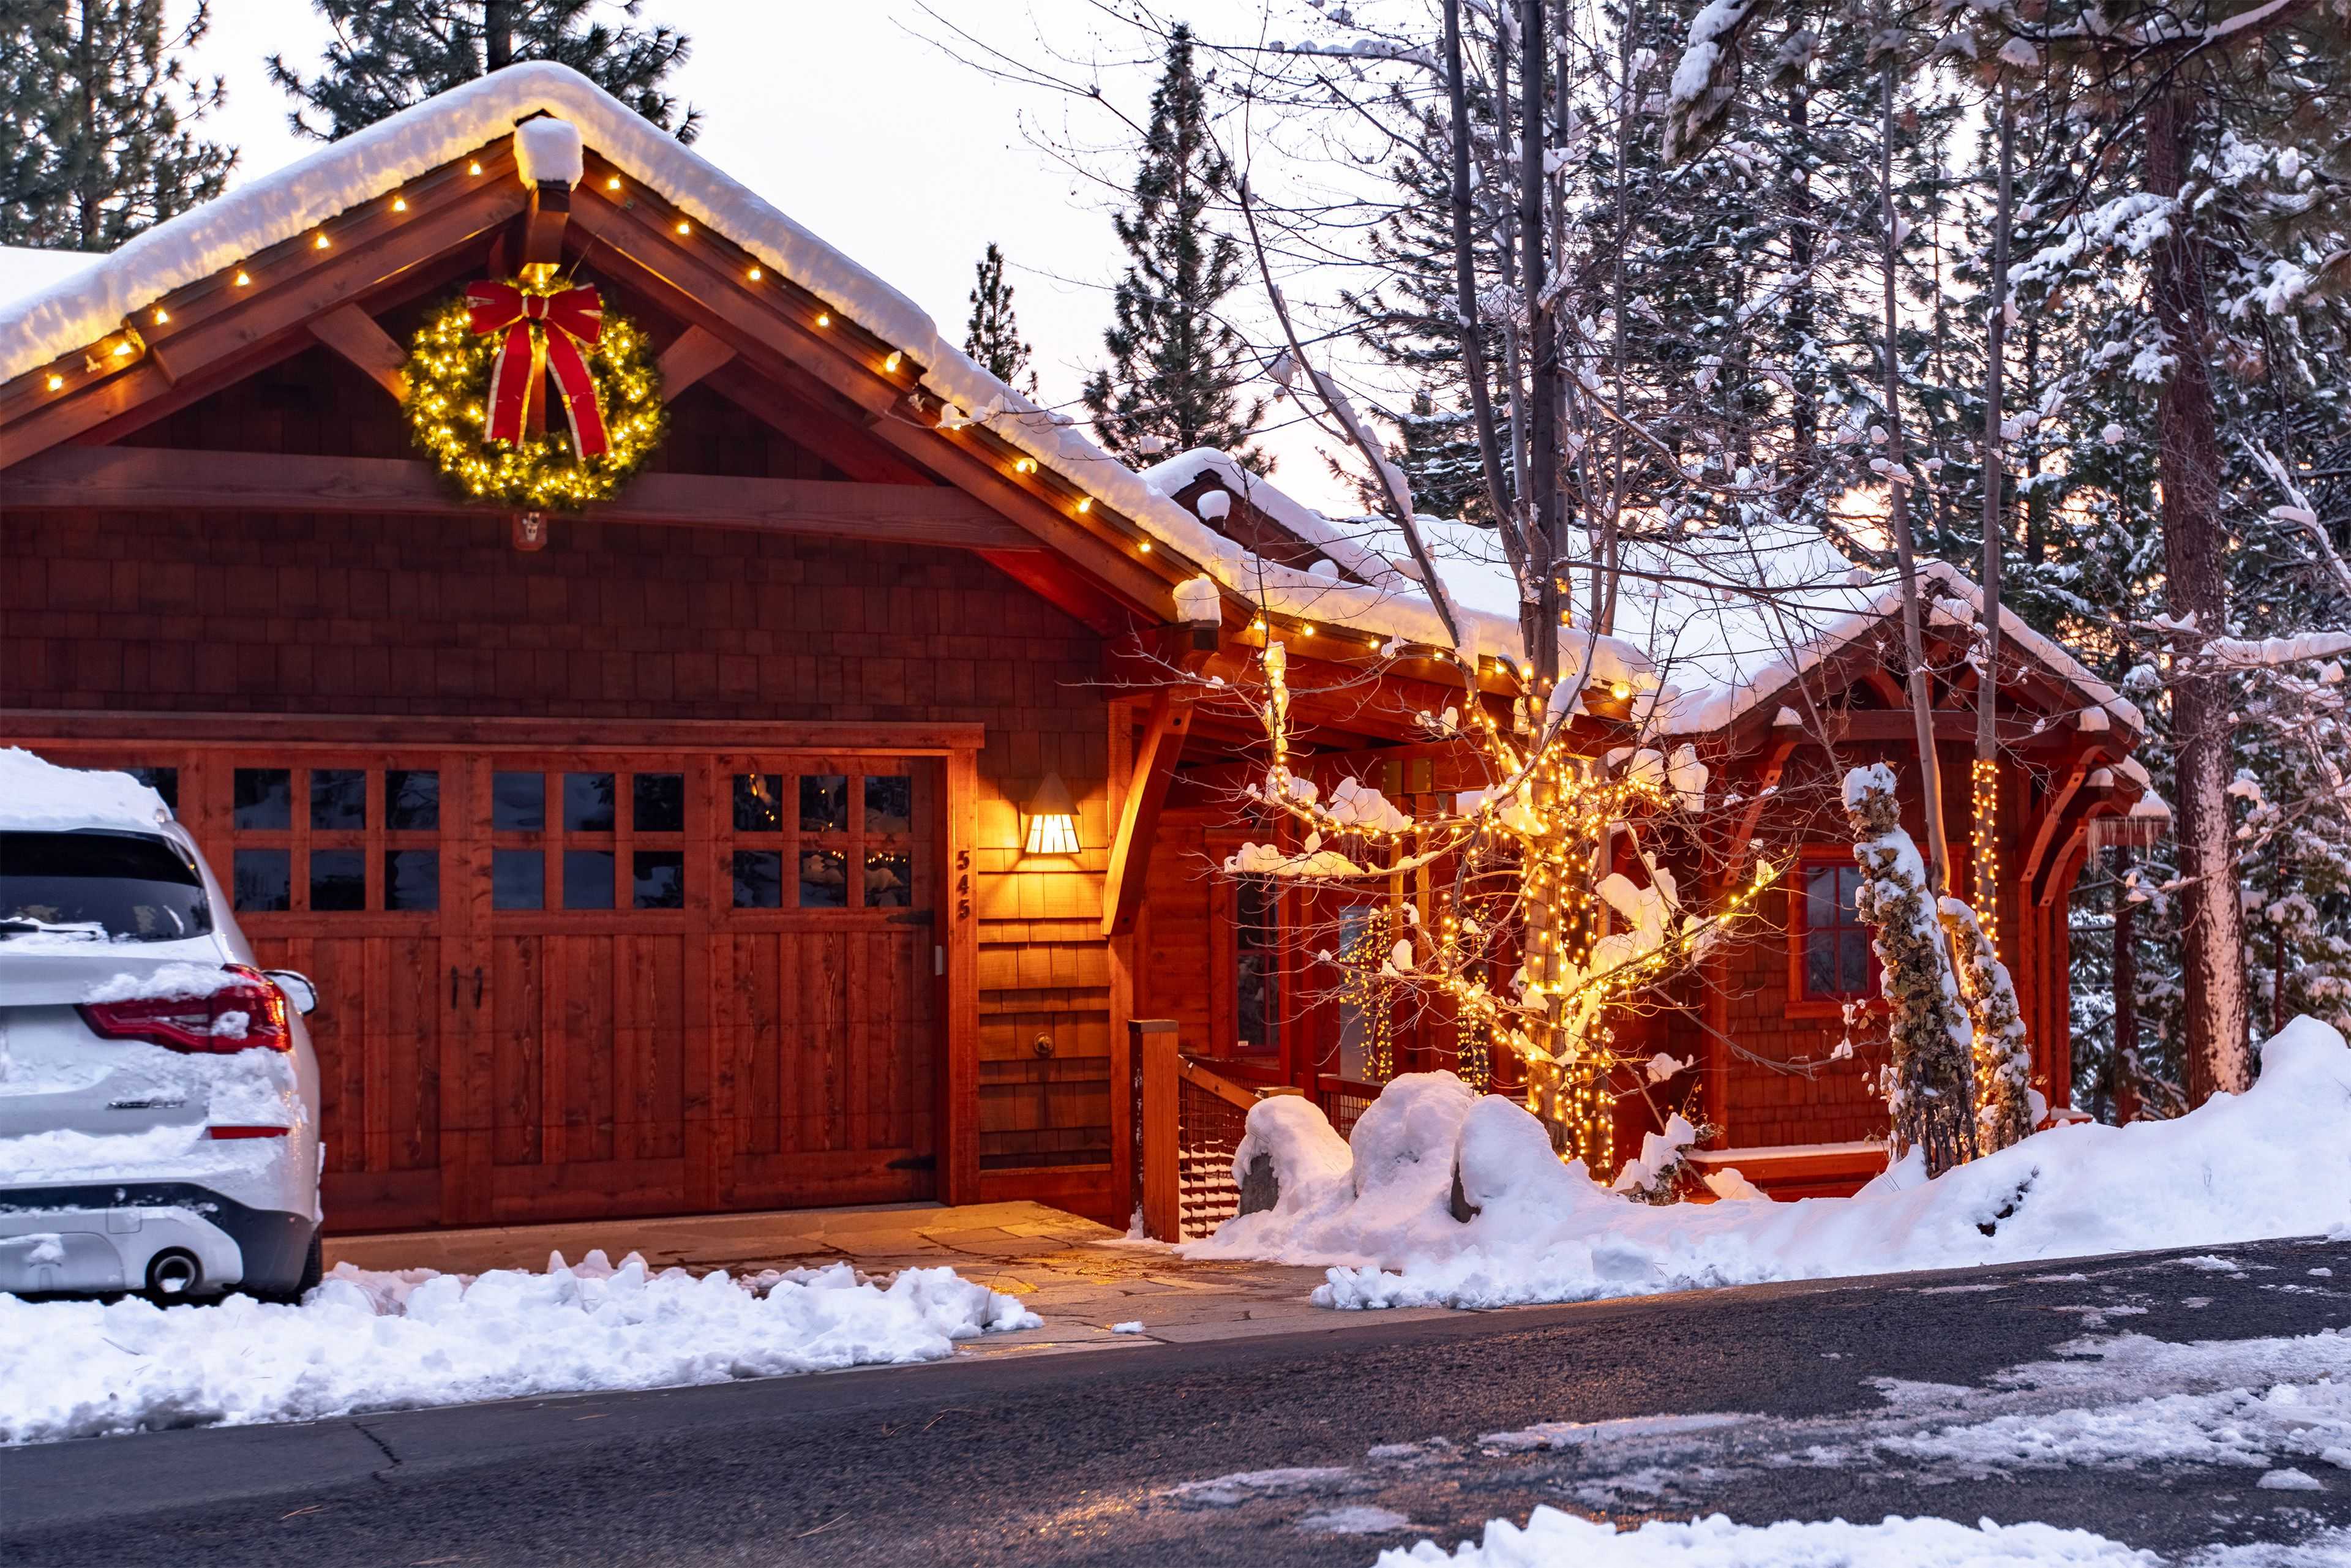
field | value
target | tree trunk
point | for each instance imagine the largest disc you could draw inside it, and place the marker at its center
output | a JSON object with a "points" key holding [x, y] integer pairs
{"points": [[2189, 464], [1803, 416], [88, 168], [1897, 506], [1984, 850], [498, 33], [1506, 517], [1542, 351], [2124, 1075]]}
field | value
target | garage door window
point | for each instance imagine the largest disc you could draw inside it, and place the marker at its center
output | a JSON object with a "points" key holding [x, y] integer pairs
{"points": [[335, 841], [848, 840], [588, 840]]}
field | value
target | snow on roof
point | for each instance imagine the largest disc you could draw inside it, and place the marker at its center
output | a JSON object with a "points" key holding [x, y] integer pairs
{"points": [[37, 793], [1727, 619], [1483, 592]]}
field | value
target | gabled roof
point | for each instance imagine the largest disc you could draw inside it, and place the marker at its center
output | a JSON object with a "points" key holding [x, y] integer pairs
{"points": [[90, 302]]}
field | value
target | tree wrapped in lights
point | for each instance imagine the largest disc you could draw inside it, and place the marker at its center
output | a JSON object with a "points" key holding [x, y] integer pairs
{"points": [[1929, 1081], [2003, 1061], [1534, 894]]}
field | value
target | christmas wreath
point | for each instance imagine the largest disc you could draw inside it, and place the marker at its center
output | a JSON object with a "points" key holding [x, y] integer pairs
{"points": [[480, 363]]}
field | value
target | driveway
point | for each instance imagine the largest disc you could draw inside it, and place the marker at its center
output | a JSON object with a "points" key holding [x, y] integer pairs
{"points": [[1954, 1395]]}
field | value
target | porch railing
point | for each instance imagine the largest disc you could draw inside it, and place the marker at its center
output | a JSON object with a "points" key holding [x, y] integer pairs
{"points": [[1188, 1122], [1343, 1102]]}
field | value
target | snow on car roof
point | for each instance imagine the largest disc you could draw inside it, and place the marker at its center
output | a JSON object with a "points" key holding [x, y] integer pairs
{"points": [[35, 793]]}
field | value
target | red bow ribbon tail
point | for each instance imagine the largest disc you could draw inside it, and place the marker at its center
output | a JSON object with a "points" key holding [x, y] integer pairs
{"points": [[513, 373], [570, 367]]}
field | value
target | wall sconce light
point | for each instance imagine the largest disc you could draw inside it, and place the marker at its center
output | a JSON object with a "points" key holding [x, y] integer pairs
{"points": [[530, 530], [1052, 819]]}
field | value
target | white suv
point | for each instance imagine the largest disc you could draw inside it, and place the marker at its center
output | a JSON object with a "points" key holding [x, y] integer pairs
{"points": [[159, 1123]]}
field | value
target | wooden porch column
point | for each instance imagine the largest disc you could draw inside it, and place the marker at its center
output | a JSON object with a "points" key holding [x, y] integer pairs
{"points": [[1152, 1050], [959, 1082]]}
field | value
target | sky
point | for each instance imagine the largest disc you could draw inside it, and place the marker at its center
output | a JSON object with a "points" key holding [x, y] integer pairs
{"points": [[850, 115]]}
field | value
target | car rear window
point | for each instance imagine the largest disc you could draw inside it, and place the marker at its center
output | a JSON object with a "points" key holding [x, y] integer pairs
{"points": [[130, 887]]}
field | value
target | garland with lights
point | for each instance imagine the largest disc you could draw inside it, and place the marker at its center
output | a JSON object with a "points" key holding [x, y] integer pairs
{"points": [[1532, 883], [481, 359]]}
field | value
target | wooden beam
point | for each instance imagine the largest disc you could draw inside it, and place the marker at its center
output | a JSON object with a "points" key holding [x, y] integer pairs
{"points": [[1138, 821], [2052, 816], [498, 733], [725, 297], [543, 222], [692, 356], [169, 479], [353, 333]]}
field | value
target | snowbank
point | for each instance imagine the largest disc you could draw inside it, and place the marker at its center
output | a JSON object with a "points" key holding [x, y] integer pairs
{"points": [[2270, 1162], [370, 1341], [1556, 1540]]}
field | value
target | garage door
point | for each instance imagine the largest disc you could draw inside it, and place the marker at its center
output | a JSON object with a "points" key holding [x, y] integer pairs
{"points": [[568, 985]]}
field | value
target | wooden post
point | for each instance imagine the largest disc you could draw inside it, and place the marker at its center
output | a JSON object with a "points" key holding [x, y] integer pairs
{"points": [[1152, 1053], [959, 1120]]}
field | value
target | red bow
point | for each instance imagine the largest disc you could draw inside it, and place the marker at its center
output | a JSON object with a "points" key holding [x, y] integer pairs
{"points": [[544, 335]]}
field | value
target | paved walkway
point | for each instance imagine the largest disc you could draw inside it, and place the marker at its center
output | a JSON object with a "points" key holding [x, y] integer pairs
{"points": [[1080, 1276]]}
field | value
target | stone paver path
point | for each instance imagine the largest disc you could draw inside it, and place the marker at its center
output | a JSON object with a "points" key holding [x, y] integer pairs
{"points": [[1080, 1276]]}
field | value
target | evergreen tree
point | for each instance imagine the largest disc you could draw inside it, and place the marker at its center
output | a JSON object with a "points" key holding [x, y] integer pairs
{"points": [[1177, 366], [992, 337], [93, 146], [388, 54], [1407, 319]]}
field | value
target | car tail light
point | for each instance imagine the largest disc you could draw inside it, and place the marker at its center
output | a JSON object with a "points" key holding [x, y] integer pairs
{"points": [[217, 1132], [247, 1013]]}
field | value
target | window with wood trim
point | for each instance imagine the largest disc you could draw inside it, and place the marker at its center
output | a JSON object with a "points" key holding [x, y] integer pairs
{"points": [[1833, 958], [343, 839], [1257, 966]]}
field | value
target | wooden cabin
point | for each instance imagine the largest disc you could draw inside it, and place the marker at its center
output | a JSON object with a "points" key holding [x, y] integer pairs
{"points": [[808, 824]]}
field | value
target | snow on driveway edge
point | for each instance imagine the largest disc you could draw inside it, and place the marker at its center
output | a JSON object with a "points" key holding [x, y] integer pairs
{"points": [[373, 1341]]}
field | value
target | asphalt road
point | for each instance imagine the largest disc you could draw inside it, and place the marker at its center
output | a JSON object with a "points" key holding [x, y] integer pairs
{"points": [[1077, 1458]]}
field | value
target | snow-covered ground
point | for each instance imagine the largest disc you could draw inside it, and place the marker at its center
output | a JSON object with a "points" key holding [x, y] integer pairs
{"points": [[368, 1341], [1378, 1211], [1556, 1540]]}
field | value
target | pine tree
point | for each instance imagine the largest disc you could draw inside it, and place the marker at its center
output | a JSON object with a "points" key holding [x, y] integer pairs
{"points": [[1406, 319], [1177, 366], [388, 54], [93, 148], [992, 337]]}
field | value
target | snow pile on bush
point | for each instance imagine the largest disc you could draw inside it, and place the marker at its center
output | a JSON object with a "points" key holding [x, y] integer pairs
{"points": [[369, 1341], [1556, 1540], [2270, 1162]]}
